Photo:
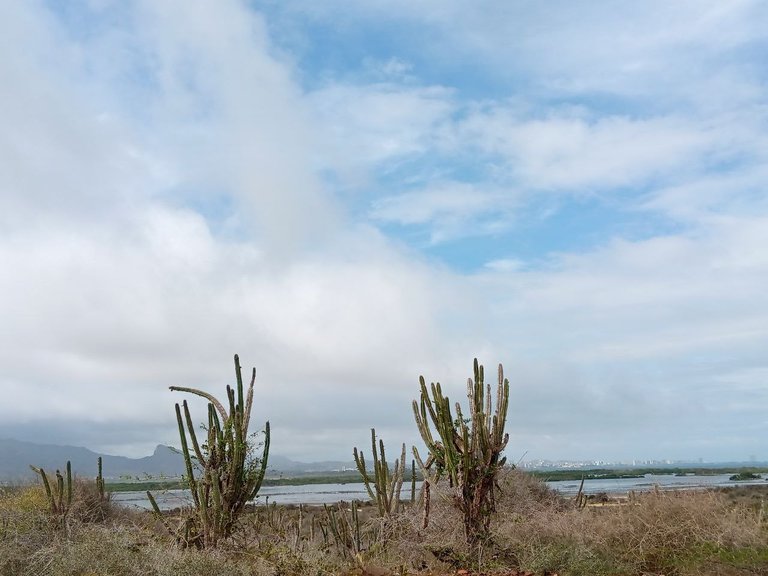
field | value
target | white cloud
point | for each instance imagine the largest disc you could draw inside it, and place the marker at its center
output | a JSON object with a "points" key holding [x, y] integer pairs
{"points": [[659, 49], [378, 125], [451, 210], [638, 337], [505, 265], [575, 153]]}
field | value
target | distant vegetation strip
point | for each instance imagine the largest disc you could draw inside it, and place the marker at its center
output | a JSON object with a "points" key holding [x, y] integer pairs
{"points": [[548, 475], [616, 474], [175, 484]]}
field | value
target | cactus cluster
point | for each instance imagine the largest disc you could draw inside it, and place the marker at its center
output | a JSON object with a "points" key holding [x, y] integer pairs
{"points": [[385, 485], [59, 495], [229, 475], [343, 528], [466, 449]]}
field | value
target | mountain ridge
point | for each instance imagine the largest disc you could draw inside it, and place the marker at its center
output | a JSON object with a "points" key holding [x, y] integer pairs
{"points": [[165, 462]]}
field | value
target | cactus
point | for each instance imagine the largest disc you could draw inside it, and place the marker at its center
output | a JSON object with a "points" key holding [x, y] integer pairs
{"points": [[385, 486], [60, 495], [468, 450], [100, 483], [229, 476], [344, 529], [580, 500]]}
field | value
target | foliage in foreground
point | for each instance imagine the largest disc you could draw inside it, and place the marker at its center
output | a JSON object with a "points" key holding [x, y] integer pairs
{"points": [[683, 534], [230, 475], [59, 495], [535, 530], [467, 449], [385, 485]]}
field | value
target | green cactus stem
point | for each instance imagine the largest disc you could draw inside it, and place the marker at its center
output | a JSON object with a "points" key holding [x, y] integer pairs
{"points": [[466, 449], [385, 486], [60, 495], [223, 474]]}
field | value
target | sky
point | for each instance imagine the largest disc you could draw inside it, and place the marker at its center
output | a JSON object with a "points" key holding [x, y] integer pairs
{"points": [[351, 194]]}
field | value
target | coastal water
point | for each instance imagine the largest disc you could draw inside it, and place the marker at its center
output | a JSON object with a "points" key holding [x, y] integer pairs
{"points": [[317, 494]]}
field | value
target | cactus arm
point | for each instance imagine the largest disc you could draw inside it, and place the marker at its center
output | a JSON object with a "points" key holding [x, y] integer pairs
{"points": [[159, 514], [360, 463], [185, 452], [59, 491], [69, 484], [380, 474], [425, 398], [263, 463], [231, 398], [219, 406], [154, 505], [100, 480], [47, 485], [216, 491], [249, 404], [192, 436], [425, 466], [239, 377], [399, 475]]}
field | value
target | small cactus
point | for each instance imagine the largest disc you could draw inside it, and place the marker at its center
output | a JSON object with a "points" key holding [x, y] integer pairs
{"points": [[580, 500], [60, 495], [385, 485], [100, 482]]}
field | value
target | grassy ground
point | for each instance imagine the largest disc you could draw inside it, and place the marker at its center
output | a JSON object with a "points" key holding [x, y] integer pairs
{"points": [[535, 531]]}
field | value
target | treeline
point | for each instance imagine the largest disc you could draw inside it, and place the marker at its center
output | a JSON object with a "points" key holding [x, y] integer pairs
{"points": [[613, 474]]}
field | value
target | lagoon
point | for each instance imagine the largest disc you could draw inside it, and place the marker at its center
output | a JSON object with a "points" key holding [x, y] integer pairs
{"points": [[318, 494]]}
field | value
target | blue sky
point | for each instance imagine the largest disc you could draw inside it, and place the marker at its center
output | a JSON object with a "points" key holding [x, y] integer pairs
{"points": [[352, 194]]}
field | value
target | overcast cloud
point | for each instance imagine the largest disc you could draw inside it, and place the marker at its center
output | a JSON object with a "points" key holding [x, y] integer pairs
{"points": [[350, 195]]}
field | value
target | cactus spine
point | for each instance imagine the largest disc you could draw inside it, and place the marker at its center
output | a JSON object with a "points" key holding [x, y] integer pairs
{"points": [[229, 475], [468, 450], [385, 486]]}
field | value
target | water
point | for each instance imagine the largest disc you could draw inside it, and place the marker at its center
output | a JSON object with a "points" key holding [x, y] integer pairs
{"points": [[648, 482], [316, 494], [312, 494]]}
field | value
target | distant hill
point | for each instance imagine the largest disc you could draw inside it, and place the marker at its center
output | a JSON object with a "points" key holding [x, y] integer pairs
{"points": [[16, 456]]}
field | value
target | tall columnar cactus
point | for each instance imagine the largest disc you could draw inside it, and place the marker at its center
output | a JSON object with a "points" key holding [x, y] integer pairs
{"points": [[60, 495], [468, 450], [229, 474], [385, 486]]}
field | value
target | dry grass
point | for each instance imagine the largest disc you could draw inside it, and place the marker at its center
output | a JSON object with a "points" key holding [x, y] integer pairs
{"points": [[658, 532], [535, 529]]}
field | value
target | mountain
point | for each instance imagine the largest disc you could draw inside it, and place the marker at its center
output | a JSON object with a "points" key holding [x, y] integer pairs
{"points": [[16, 456]]}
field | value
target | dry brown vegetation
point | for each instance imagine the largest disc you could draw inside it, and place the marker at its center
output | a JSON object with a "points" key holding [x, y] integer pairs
{"points": [[534, 530]]}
